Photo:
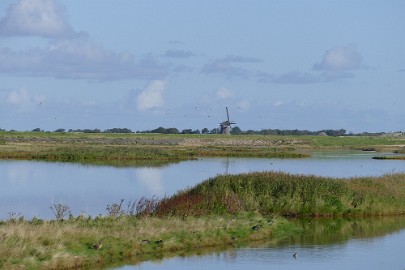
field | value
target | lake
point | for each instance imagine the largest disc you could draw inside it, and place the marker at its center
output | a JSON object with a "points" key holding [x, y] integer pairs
{"points": [[29, 188]]}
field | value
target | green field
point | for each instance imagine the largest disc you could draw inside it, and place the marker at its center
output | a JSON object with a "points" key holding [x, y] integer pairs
{"points": [[140, 149]]}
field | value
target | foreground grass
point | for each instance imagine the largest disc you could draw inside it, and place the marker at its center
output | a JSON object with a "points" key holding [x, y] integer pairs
{"points": [[225, 210], [68, 244]]}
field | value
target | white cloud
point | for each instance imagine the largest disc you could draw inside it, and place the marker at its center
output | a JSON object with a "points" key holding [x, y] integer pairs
{"points": [[152, 96], [68, 54], [340, 58], [23, 100], [78, 58], [223, 93], [44, 18], [336, 64]]}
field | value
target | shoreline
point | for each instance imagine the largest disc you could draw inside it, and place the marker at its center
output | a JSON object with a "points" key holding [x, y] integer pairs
{"points": [[159, 149]]}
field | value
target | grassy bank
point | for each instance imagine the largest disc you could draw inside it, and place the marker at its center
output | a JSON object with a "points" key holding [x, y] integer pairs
{"points": [[223, 211], [73, 243], [137, 149]]}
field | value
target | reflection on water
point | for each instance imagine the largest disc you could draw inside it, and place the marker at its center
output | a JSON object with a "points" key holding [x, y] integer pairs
{"points": [[376, 243], [32, 187]]}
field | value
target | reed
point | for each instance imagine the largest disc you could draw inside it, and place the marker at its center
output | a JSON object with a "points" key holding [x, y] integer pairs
{"points": [[290, 195]]}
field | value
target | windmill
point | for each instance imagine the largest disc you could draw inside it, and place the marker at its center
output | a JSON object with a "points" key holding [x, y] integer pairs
{"points": [[226, 125]]}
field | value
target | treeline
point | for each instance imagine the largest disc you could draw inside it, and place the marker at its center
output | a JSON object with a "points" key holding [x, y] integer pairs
{"points": [[326, 132], [235, 131], [96, 130], [163, 130]]}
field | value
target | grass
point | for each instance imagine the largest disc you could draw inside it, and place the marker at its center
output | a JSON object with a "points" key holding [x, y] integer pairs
{"points": [[133, 149], [53, 245], [159, 149], [291, 195]]}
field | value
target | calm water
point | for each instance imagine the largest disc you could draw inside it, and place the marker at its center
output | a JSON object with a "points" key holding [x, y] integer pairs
{"points": [[30, 188], [385, 252]]}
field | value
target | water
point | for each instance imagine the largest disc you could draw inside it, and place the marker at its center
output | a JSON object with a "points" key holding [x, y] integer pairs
{"points": [[29, 188], [380, 253], [378, 244]]}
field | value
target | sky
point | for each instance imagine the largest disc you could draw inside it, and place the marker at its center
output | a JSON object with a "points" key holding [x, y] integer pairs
{"points": [[142, 64]]}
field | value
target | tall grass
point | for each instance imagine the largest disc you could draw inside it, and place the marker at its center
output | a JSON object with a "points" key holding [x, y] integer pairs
{"points": [[290, 195]]}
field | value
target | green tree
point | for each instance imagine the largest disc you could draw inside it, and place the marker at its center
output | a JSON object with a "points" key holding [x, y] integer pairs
{"points": [[236, 130], [186, 131], [214, 131], [172, 131]]}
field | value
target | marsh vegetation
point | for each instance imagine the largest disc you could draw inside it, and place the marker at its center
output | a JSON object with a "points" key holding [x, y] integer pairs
{"points": [[136, 149], [224, 211]]}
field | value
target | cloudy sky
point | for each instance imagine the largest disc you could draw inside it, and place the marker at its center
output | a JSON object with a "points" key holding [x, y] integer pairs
{"points": [[142, 64]]}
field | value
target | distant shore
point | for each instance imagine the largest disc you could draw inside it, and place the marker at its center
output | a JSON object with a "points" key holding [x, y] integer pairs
{"points": [[139, 149]]}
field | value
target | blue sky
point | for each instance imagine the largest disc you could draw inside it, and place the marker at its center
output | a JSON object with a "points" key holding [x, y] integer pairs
{"points": [[143, 64]]}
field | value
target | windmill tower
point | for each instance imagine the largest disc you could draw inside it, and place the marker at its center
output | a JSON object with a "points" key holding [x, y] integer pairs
{"points": [[226, 125]]}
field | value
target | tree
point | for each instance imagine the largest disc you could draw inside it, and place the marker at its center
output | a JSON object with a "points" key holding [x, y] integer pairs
{"points": [[187, 131], [172, 131], [236, 130], [161, 130], [118, 130], [205, 131], [214, 131]]}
